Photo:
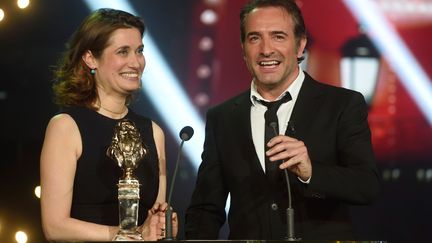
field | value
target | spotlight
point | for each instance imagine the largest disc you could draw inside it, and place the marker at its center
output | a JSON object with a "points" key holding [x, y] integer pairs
{"points": [[203, 71], [396, 174], [202, 99], [421, 174], [428, 175], [37, 191], [209, 17], [206, 43], [2, 14], [21, 237], [23, 3]]}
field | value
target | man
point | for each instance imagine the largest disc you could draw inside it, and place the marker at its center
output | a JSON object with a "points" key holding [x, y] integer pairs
{"points": [[324, 143]]}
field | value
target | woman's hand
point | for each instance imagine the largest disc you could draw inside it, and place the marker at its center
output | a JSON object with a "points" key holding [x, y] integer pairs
{"points": [[174, 224], [149, 230], [154, 226]]}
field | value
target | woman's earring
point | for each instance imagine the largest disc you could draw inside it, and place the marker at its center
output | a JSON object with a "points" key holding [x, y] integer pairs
{"points": [[92, 71]]}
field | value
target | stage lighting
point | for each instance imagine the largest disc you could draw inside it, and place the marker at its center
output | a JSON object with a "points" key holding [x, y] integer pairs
{"points": [[23, 4], [206, 43], [209, 17], [37, 191], [21, 237], [203, 71], [2, 14]]}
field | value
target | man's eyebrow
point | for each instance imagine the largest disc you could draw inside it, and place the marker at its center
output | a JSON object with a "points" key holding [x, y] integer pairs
{"points": [[278, 32], [253, 33], [275, 32]]}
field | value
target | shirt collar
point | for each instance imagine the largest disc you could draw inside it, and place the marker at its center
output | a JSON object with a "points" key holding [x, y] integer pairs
{"points": [[293, 89]]}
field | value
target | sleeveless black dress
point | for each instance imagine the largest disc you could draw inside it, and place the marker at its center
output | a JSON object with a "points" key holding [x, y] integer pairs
{"points": [[95, 185]]}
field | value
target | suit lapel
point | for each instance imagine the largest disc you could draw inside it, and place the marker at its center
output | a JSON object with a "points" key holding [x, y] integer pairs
{"points": [[242, 126], [306, 107]]}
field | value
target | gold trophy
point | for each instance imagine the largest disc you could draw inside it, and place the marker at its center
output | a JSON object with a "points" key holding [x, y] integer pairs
{"points": [[127, 149]]}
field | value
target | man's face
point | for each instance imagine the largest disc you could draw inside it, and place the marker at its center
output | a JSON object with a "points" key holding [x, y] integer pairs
{"points": [[270, 49]]}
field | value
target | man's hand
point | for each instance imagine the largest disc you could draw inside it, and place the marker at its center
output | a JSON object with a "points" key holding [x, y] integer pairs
{"points": [[293, 153]]}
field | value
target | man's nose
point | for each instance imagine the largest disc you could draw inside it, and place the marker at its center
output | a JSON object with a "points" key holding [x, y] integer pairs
{"points": [[266, 47]]}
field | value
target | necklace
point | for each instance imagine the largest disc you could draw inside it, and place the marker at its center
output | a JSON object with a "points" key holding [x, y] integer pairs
{"points": [[114, 112]]}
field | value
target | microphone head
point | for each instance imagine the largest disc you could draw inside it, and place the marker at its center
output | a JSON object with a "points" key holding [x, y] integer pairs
{"points": [[270, 118], [291, 128], [273, 124], [186, 133]]}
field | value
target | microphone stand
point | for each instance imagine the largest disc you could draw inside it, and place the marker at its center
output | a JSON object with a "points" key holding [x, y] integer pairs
{"points": [[185, 134], [168, 212], [289, 211]]}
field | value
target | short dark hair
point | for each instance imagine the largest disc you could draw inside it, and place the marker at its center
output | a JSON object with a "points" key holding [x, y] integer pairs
{"points": [[74, 85], [289, 6]]}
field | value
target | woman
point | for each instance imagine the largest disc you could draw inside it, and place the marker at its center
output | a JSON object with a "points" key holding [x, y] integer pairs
{"points": [[95, 80]]}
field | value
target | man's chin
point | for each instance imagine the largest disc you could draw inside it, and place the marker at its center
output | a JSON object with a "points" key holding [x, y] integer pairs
{"points": [[267, 81]]}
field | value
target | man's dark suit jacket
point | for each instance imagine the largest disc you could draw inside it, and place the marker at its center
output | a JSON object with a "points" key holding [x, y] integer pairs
{"points": [[332, 122]]}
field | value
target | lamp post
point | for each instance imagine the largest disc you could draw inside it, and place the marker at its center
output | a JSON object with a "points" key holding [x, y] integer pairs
{"points": [[360, 65]]}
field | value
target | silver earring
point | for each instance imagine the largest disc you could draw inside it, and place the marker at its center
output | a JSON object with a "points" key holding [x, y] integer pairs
{"points": [[92, 71]]}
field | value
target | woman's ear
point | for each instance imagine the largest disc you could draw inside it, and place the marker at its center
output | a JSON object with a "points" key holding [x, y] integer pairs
{"points": [[89, 59]]}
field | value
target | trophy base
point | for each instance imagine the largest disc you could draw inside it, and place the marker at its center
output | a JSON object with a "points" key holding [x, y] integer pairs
{"points": [[123, 236]]}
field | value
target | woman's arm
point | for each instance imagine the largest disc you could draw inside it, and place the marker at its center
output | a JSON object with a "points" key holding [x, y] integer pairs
{"points": [[160, 205], [159, 138], [61, 149]]}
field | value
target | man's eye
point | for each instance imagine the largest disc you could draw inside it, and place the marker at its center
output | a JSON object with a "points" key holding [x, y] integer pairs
{"points": [[253, 38]]}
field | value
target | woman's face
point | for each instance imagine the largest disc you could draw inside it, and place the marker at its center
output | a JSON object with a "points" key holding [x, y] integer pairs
{"points": [[122, 63]]}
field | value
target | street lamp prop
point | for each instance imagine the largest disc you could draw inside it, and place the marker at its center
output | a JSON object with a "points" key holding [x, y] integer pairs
{"points": [[360, 64]]}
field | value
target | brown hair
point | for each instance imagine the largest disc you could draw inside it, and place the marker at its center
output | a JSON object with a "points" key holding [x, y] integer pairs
{"points": [[74, 84]]}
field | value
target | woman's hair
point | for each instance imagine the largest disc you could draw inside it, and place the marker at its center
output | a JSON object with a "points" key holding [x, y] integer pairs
{"points": [[74, 84]]}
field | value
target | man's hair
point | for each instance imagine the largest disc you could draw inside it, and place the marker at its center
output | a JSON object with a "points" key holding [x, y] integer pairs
{"points": [[289, 6]]}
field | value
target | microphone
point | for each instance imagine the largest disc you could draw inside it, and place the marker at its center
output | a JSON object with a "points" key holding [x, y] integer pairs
{"points": [[185, 134], [289, 211]]}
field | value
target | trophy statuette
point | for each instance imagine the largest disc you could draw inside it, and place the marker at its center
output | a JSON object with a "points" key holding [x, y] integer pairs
{"points": [[127, 149]]}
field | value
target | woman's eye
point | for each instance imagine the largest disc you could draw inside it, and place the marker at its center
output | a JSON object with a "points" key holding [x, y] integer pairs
{"points": [[123, 52]]}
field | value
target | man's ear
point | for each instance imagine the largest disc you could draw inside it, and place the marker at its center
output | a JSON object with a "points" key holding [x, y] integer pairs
{"points": [[301, 47], [243, 52], [89, 59]]}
